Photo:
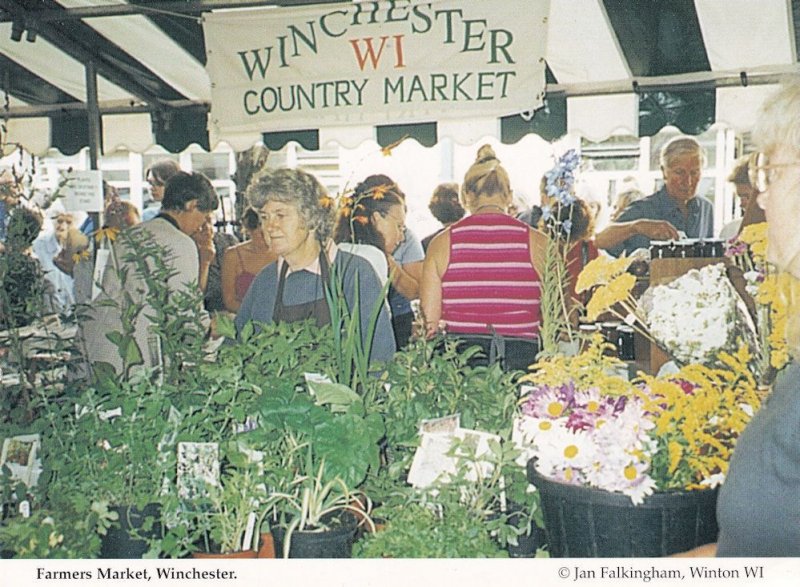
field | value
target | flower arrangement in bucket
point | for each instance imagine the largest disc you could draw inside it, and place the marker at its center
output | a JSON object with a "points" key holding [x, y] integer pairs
{"points": [[586, 425]]}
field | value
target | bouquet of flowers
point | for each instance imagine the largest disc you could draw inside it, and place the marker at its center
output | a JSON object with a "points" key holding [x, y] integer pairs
{"points": [[697, 315], [693, 318], [585, 425]]}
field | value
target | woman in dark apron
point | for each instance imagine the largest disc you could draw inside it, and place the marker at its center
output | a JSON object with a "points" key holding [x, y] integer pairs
{"points": [[297, 219]]}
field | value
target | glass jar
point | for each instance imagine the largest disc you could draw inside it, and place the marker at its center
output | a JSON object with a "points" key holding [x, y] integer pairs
{"points": [[659, 249], [611, 335], [625, 346]]}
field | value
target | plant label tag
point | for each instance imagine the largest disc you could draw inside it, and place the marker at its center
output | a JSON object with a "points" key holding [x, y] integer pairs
{"points": [[249, 531], [198, 468], [20, 455], [444, 425], [312, 378]]}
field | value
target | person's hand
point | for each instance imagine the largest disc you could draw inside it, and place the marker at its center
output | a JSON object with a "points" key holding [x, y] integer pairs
{"points": [[204, 239], [391, 265], [658, 230], [705, 551]]}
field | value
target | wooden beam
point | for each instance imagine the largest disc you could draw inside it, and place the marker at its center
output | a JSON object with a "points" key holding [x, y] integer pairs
{"points": [[111, 107], [166, 7]]}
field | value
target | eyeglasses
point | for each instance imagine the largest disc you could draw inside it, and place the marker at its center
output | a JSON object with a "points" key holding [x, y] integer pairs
{"points": [[762, 174], [401, 226]]}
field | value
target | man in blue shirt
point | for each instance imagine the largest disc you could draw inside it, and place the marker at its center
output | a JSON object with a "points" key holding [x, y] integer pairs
{"points": [[672, 210]]}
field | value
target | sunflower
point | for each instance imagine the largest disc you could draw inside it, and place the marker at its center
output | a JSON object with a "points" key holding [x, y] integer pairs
{"points": [[107, 232]]}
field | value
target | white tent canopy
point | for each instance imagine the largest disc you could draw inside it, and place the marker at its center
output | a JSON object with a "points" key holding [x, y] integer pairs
{"points": [[612, 65]]}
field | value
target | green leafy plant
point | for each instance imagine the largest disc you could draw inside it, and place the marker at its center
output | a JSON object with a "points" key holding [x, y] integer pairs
{"points": [[432, 379], [264, 353], [223, 516], [315, 451], [352, 345], [62, 533], [419, 529], [501, 497], [114, 447], [142, 267], [313, 505]]}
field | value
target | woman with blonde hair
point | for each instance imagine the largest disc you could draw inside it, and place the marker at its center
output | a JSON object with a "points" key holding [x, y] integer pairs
{"points": [[481, 274]]}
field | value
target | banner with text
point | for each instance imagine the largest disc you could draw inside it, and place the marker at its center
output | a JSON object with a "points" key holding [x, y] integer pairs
{"points": [[367, 63]]}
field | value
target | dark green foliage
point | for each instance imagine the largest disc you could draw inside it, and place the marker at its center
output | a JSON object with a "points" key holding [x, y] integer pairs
{"points": [[416, 530]]}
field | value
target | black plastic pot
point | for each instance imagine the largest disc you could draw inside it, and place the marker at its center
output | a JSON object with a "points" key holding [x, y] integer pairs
{"points": [[589, 522], [528, 544], [337, 542], [128, 539]]}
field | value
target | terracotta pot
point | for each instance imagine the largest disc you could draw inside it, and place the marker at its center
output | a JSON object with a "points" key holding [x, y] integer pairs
{"points": [[238, 554], [267, 546]]}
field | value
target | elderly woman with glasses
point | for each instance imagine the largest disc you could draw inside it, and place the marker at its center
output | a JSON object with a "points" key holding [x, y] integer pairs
{"points": [[297, 217], [758, 510]]}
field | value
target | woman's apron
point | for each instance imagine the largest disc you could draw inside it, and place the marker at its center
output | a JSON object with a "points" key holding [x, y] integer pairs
{"points": [[318, 309]]}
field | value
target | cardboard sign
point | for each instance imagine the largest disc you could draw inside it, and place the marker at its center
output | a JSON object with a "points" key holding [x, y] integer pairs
{"points": [[83, 191]]}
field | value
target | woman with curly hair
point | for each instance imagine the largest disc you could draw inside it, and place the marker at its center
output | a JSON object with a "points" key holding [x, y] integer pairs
{"points": [[297, 215]]}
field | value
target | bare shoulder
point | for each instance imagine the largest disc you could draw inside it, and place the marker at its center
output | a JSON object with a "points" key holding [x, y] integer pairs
{"points": [[439, 250], [441, 242]]}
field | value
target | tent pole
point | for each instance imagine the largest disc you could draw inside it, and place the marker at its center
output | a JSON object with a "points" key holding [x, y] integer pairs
{"points": [[93, 113]]}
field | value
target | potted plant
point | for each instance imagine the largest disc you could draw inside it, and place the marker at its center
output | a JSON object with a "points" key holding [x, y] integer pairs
{"points": [[226, 516], [315, 451], [419, 525], [56, 533], [116, 447], [643, 455], [316, 518], [432, 379]]}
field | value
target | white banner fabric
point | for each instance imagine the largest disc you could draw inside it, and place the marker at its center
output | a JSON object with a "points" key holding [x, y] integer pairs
{"points": [[369, 63]]}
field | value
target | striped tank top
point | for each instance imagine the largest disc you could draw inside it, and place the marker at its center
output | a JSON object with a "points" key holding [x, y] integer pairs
{"points": [[490, 281]]}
